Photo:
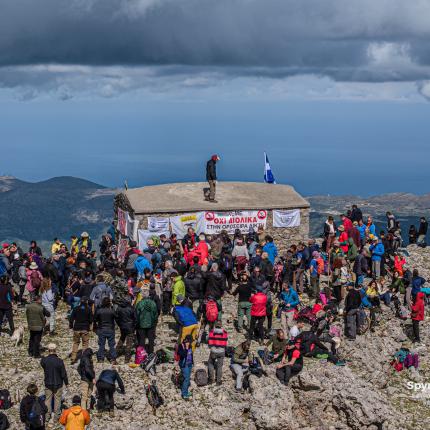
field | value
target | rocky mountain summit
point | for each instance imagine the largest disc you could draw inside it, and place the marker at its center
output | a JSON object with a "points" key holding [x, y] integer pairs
{"points": [[365, 394]]}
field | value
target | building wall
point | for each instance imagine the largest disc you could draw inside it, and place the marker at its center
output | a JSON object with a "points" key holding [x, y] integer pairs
{"points": [[283, 237]]}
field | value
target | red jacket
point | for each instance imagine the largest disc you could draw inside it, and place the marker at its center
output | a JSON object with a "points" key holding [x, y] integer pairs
{"points": [[418, 308], [203, 252], [344, 238], [347, 223], [259, 301]]}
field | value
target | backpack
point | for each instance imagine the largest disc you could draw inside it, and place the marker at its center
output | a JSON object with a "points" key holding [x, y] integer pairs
{"points": [[411, 360], [148, 365], [403, 313], [153, 395], [306, 313], [320, 266], [177, 378], [15, 273], [255, 367], [140, 355], [265, 356], [35, 416], [201, 377], [211, 311], [35, 280], [5, 400], [164, 356], [4, 422]]}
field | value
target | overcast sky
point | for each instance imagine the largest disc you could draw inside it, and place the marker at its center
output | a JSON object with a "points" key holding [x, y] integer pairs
{"points": [[115, 89]]}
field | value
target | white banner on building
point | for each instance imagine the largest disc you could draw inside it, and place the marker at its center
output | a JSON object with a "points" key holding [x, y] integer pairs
{"points": [[286, 219], [158, 224], [145, 235], [181, 223], [132, 227], [215, 222]]}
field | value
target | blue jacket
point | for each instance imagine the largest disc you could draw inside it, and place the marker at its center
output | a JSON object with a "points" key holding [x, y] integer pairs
{"points": [[111, 376], [378, 251], [291, 297], [417, 283], [185, 316], [365, 302], [141, 264], [362, 230], [271, 249]]}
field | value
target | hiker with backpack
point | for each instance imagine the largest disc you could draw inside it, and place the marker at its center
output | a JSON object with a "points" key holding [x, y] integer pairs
{"points": [[100, 292], [186, 362], [240, 362], [106, 390], [34, 279], [76, 417], [187, 321], [104, 325], [217, 342], [36, 316], [215, 286], [240, 255], [33, 410], [316, 269], [291, 363], [55, 378]]}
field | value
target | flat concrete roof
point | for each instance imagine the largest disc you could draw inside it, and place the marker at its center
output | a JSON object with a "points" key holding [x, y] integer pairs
{"points": [[189, 197]]}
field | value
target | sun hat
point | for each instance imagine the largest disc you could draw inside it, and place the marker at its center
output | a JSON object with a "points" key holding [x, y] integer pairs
{"points": [[33, 266]]}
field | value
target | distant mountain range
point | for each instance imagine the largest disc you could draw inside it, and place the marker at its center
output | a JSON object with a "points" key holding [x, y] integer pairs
{"points": [[60, 207]]}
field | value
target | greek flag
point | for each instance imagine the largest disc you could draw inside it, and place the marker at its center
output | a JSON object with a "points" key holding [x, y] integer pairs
{"points": [[268, 175]]}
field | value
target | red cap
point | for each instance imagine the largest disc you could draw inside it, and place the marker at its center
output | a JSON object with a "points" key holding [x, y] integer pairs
{"points": [[5, 245], [215, 157]]}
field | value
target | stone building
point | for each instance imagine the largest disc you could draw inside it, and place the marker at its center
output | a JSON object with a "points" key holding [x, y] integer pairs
{"points": [[171, 200]]}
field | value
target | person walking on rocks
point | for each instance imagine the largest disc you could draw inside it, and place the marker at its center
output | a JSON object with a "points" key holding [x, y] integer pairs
{"points": [[76, 417], [217, 342], [80, 321], [33, 410], [186, 362], [147, 318], [104, 320], [36, 315], [88, 376], [55, 378], [211, 178], [244, 292]]}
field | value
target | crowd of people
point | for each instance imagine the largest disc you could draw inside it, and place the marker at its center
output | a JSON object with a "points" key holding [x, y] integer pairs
{"points": [[318, 290]]}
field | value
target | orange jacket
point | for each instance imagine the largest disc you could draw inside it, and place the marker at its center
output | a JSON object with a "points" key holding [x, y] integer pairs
{"points": [[75, 418]]}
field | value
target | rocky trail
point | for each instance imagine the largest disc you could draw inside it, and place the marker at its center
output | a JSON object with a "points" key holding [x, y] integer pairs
{"points": [[365, 394]]}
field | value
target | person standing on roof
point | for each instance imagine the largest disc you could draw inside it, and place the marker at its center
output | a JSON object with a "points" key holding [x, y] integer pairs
{"points": [[211, 178]]}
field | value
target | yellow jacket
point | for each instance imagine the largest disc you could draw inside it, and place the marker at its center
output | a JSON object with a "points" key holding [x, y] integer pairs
{"points": [[75, 418]]}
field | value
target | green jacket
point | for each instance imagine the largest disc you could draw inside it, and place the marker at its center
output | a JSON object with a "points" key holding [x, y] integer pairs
{"points": [[178, 288], [35, 314], [240, 356], [147, 315], [352, 250]]}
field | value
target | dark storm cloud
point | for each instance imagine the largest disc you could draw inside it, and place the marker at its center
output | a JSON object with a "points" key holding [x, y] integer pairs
{"points": [[268, 36]]}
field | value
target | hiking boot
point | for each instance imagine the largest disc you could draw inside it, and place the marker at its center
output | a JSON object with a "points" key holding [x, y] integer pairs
{"points": [[187, 397], [210, 381], [219, 383], [213, 201]]}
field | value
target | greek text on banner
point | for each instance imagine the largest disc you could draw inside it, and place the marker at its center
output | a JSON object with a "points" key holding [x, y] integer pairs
{"points": [[215, 222]]}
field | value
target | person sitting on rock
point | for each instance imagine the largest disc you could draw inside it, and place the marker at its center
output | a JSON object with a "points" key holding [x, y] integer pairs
{"points": [[291, 363], [76, 417], [279, 343], [240, 362]]}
